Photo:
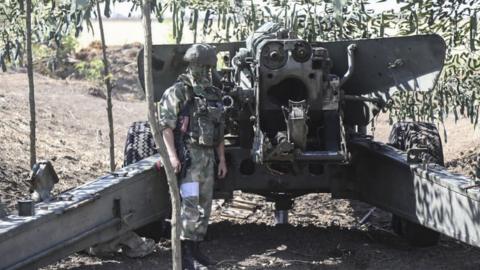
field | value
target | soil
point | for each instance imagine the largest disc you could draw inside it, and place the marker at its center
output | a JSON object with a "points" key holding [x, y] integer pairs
{"points": [[323, 233], [72, 131], [122, 63], [123, 67]]}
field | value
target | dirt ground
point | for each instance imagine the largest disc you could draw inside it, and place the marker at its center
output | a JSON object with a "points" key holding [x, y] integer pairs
{"points": [[323, 233]]}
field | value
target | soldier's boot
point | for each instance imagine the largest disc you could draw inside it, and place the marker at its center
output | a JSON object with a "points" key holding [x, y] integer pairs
{"points": [[200, 257], [188, 261]]}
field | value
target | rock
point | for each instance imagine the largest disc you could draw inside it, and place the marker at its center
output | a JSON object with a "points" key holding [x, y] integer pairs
{"points": [[96, 92], [131, 245]]}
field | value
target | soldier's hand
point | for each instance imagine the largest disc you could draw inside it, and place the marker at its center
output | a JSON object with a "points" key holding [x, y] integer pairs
{"points": [[158, 165], [176, 165], [222, 169]]}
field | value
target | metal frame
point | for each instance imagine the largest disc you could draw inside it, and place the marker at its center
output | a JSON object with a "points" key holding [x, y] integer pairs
{"points": [[427, 194], [93, 213], [137, 195]]}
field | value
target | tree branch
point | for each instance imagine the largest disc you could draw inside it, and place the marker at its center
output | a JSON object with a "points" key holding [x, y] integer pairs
{"points": [[171, 177]]}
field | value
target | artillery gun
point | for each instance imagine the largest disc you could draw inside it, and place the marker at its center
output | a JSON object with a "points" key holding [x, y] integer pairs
{"points": [[296, 118]]}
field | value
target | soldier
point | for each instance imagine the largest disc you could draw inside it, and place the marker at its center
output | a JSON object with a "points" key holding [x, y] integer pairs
{"points": [[192, 121]]}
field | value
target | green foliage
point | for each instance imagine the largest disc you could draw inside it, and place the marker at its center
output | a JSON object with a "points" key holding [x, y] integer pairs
{"points": [[312, 20], [52, 21], [68, 45], [456, 21], [48, 59], [91, 70], [10, 43], [457, 92]]}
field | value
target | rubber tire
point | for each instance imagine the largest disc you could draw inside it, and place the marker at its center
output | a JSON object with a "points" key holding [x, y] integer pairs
{"points": [[140, 144], [408, 135], [405, 136]]}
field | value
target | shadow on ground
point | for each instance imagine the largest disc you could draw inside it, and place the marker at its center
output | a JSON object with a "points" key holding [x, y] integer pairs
{"points": [[256, 246]]}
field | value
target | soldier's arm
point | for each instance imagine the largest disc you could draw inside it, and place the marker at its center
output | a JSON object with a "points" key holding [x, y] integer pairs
{"points": [[172, 152], [168, 110], [221, 151], [222, 165]]}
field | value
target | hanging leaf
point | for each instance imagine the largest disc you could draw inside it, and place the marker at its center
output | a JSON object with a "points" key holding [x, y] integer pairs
{"points": [[473, 31], [2, 63], [106, 10], [227, 31], [382, 25], [174, 19], [180, 24], [254, 15], [79, 4], [338, 8], [206, 22], [195, 25]]}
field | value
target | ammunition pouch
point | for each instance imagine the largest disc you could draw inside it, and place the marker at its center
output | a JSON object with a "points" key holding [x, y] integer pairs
{"points": [[206, 126]]}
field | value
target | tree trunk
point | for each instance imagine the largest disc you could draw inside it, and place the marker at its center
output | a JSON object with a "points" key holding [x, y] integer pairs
{"points": [[106, 76], [171, 177], [31, 89]]}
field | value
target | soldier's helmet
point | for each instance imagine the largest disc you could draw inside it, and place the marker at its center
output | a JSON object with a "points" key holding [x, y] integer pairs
{"points": [[201, 54]]}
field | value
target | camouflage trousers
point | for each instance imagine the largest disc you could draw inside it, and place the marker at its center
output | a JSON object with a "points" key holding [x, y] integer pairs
{"points": [[196, 191]]}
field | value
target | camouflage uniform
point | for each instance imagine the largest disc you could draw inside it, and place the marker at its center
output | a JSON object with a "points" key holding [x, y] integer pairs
{"points": [[196, 185]]}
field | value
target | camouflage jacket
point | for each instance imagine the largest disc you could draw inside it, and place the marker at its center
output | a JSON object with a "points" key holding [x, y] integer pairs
{"points": [[205, 111]]}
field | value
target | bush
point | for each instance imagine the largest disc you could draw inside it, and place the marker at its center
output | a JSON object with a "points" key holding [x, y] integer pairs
{"points": [[91, 70], [53, 61]]}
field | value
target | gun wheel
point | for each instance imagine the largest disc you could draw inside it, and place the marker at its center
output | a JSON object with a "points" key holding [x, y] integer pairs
{"points": [[140, 143], [405, 136]]}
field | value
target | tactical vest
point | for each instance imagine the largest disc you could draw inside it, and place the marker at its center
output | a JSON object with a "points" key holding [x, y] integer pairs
{"points": [[205, 111]]}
